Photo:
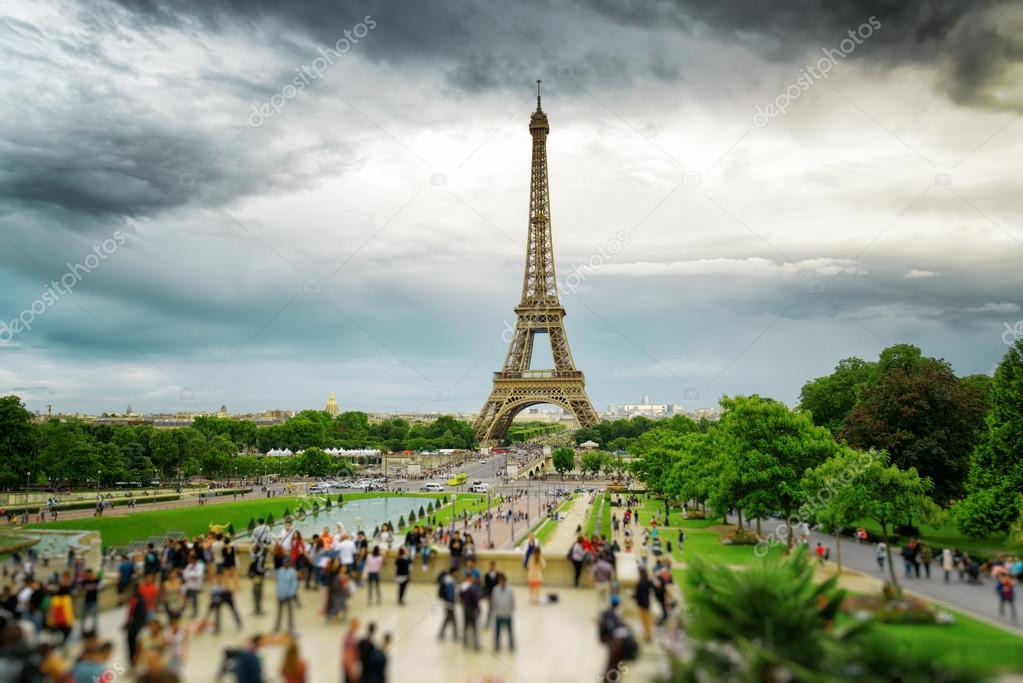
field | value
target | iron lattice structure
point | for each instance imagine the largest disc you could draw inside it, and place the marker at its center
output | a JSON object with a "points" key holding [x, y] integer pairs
{"points": [[516, 385]]}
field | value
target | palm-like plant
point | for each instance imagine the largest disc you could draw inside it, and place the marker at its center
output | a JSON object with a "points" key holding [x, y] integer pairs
{"points": [[772, 623]]}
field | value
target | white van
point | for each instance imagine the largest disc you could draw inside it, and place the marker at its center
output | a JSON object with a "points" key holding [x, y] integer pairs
{"points": [[480, 488], [431, 487]]}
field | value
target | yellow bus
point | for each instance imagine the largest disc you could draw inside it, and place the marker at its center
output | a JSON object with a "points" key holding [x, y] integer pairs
{"points": [[458, 479]]}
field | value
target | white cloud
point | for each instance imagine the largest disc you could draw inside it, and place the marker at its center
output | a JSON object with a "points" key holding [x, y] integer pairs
{"points": [[753, 266], [991, 307], [917, 274]]}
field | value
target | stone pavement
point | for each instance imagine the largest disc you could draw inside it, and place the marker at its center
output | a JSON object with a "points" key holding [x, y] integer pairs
{"points": [[555, 642]]}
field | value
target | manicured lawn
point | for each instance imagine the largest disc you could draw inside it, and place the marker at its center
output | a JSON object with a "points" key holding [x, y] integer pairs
{"points": [[968, 643], [590, 527], [139, 526]]}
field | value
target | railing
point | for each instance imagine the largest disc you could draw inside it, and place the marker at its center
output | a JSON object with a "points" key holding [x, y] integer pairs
{"points": [[538, 374]]}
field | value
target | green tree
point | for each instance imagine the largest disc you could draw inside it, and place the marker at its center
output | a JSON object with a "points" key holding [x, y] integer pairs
{"points": [[563, 459], [891, 495], [766, 449], [835, 496], [995, 478], [922, 415], [830, 398], [592, 462], [18, 441], [313, 462]]}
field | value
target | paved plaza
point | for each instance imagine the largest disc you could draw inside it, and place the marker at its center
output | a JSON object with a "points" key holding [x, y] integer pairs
{"points": [[554, 642]]}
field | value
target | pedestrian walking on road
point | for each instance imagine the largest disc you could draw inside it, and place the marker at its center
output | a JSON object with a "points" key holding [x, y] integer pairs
{"points": [[1006, 595], [926, 557], [879, 554], [947, 563]]}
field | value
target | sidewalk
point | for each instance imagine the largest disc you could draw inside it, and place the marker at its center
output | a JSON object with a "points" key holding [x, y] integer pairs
{"points": [[564, 534]]}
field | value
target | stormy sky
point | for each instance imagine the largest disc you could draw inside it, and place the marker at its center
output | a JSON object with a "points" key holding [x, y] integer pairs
{"points": [[257, 203]]}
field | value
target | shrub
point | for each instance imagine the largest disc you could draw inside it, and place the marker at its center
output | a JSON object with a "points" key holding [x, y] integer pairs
{"points": [[270, 519], [411, 516], [287, 512], [772, 622], [251, 525], [422, 512], [230, 528], [401, 521]]}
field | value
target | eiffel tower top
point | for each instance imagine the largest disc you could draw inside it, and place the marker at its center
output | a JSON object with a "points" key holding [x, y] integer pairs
{"points": [[538, 121]]}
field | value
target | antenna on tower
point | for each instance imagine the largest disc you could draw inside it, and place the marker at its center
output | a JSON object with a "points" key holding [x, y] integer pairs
{"points": [[538, 95]]}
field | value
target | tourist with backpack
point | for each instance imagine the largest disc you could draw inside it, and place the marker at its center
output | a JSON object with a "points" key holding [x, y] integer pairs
{"points": [[617, 636], [446, 591]]}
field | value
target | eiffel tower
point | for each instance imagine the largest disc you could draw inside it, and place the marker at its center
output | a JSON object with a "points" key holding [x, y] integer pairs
{"points": [[516, 385]]}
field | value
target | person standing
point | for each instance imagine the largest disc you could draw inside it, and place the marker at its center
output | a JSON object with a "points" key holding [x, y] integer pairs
{"points": [[577, 554], [293, 667], [469, 596], [615, 634], [257, 574], [374, 563], [947, 563], [455, 546], [1006, 595], [880, 552], [402, 568], [532, 546], [91, 585], [644, 586], [534, 574], [602, 573], [194, 574], [446, 591], [489, 583], [286, 585], [926, 557], [502, 607], [351, 666]]}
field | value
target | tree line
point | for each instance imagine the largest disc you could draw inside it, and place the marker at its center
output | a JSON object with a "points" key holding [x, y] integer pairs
{"points": [[77, 452], [894, 441]]}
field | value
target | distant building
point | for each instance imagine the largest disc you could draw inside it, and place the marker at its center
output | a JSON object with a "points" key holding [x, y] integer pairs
{"points": [[222, 413], [332, 407], [589, 445]]}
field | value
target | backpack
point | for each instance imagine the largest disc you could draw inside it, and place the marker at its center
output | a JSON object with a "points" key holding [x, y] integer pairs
{"points": [[630, 647]]}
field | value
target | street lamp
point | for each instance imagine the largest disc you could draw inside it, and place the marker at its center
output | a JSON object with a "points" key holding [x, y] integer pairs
{"points": [[28, 476], [454, 511]]}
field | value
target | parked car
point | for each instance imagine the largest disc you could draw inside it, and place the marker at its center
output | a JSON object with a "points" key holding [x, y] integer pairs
{"points": [[431, 486]]}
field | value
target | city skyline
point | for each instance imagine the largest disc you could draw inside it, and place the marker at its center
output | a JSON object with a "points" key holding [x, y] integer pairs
{"points": [[205, 206]]}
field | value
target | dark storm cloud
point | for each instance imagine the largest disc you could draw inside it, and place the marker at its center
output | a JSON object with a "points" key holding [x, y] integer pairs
{"points": [[484, 45], [974, 45]]}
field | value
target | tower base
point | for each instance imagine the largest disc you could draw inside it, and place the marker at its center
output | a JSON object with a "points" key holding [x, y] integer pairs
{"points": [[513, 392]]}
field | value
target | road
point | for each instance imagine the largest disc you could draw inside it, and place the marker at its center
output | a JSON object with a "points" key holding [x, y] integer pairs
{"points": [[978, 599]]}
